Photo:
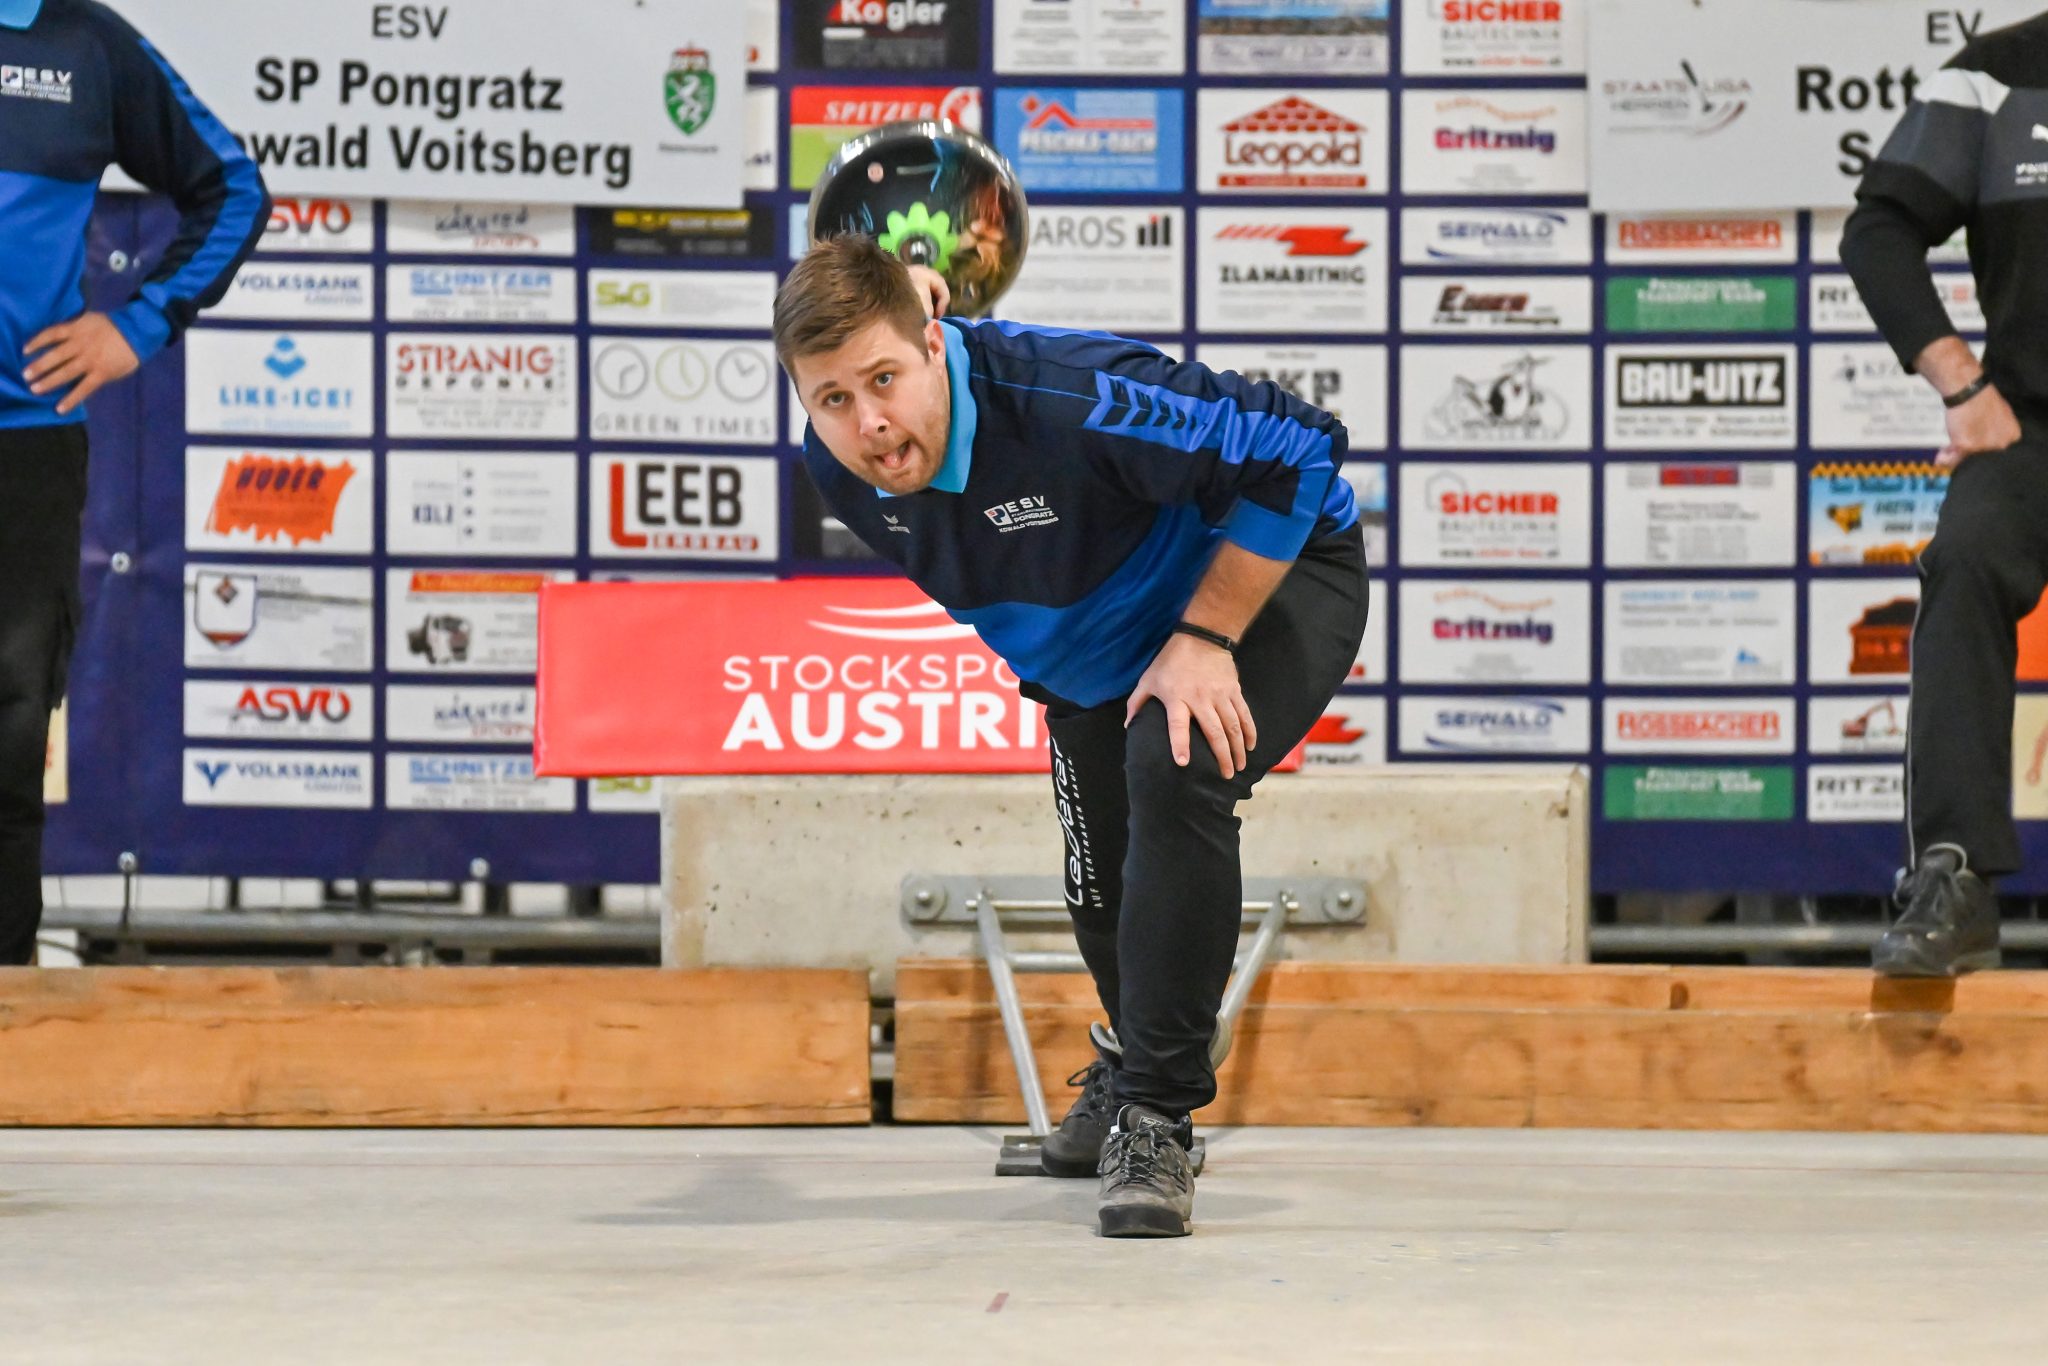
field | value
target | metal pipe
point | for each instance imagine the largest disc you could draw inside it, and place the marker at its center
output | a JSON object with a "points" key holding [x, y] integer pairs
{"points": [[1013, 1015], [322, 927], [1255, 958], [1655, 939]]}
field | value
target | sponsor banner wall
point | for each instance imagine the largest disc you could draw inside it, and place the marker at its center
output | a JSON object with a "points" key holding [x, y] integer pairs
{"points": [[362, 97], [441, 227], [1291, 270], [1866, 723], [324, 292], [1497, 398], [480, 384], [1496, 305], [1437, 727], [1091, 37], [1104, 267], [1871, 512], [1495, 235], [1700, 725], [1347, 381], [1487, 516], [278, 502], [1759, 103], [1724, 397], [1274, 140], [1661, 469], [480, 503], [332, 226], [480, 293], [1351, 733], [1496, 631], [1493, 37], [1292, 37], [1700, 633], [1505, 140], [1701, 515], [283, 383]]}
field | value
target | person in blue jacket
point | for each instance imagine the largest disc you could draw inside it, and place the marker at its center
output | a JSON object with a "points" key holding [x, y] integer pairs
{"points": [[80, 91], [1168, 559]]}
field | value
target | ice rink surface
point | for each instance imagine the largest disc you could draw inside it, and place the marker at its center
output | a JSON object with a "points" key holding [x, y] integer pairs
{"points": [[895, 1244]]}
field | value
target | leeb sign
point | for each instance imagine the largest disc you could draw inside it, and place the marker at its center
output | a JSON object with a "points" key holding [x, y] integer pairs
{"points": [[602, 101]]}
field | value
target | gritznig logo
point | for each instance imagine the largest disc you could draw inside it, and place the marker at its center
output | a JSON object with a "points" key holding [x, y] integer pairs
{"points": [[1507, 131], [1499, 620]]}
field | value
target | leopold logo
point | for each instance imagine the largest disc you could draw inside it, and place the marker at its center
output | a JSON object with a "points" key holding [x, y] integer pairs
{"points": [[1021, 513], [1293, 143]]}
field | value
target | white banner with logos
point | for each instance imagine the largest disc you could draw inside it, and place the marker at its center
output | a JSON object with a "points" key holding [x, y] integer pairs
{"points": [[472, 97], [1758, 104]]}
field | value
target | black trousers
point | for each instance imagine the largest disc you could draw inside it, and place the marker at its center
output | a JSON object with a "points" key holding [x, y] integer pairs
{"points": [[1984, 570], [42, 498], [1152, 876]]}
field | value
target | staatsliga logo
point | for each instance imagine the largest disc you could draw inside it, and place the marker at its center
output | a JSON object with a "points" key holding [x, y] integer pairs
{"points": [[1686, 103], [690, 89]]}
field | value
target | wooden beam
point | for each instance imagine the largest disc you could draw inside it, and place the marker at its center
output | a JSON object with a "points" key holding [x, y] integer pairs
{"points": [[1602, 1047], [432, 1046]]}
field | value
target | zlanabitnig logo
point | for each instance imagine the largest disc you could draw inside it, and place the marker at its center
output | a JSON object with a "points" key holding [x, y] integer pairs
{"points": [[690, 88]]}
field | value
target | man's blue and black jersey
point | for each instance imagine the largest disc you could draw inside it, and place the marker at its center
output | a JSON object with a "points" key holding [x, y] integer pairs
{"points": [[1087, 482], [80, 90]]}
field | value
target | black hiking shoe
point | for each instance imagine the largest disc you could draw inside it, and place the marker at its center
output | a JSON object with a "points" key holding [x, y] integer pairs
{"points": [[1148, 1183], [1075, 1148], [1948, 922]]}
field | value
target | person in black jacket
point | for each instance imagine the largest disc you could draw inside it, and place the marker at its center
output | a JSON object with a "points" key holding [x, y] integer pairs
{"points": [[79, 91], [1971, 152]]}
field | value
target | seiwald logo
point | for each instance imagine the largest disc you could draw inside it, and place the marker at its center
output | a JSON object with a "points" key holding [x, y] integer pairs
{"points": [[284, 359], [690, 89]]}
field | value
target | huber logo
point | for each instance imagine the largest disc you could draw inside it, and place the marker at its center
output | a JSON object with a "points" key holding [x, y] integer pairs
{"points": [[1293, 144], [271, 497], [690, 88]]}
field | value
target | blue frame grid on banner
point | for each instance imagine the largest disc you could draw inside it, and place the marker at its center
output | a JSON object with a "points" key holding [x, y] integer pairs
{"points": [[1649, 506]]}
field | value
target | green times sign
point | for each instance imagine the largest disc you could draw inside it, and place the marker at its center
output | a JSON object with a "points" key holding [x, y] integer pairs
{"points": [[1636, 792], [1700, 303]]}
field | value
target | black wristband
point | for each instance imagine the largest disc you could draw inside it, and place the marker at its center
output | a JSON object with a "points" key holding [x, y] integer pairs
{"points": [[1217, 638], [1967, 392]]}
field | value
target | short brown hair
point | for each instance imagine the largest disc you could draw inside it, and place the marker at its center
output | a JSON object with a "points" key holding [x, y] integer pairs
{"points": [[841, 286]]}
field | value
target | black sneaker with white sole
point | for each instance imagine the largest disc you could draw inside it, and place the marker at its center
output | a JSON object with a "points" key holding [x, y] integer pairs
{"points": [[1948, 920], [1075, 1148], [1148, 1181]]}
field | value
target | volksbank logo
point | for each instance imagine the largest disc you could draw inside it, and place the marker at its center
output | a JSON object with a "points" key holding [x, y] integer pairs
{"points": [[212, 772]]}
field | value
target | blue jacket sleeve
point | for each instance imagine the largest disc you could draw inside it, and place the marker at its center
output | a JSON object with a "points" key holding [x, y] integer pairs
{"points": [[1180, 432], [170, 142]]}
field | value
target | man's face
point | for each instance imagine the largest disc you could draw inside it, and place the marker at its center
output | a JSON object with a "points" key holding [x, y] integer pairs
{"points": [[881, 404]]}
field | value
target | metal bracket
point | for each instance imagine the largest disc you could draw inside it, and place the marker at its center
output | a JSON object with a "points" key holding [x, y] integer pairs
{"points": [[1033, 901], [986, 904]]}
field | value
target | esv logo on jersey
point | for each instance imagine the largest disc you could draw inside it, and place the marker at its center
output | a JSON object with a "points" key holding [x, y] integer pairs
{"points": [[36, 83], [1020, 514]]}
